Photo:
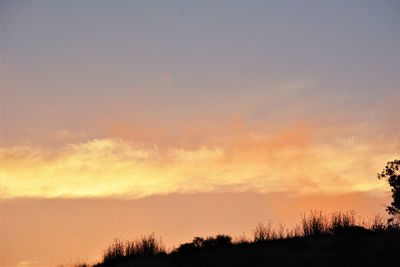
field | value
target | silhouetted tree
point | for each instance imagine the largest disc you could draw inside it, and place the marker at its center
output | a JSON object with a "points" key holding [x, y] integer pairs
{"points": [[391, 173]]}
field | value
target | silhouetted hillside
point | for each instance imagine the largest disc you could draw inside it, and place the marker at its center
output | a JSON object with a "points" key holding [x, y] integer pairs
{"points": [[319, 240], [366, 249]]}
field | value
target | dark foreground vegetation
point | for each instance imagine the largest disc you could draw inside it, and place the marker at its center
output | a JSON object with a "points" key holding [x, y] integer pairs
{"points": [[319, 240]]}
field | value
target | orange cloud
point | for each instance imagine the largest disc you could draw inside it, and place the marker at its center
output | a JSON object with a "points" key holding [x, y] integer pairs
{"points": [[286, 161]]}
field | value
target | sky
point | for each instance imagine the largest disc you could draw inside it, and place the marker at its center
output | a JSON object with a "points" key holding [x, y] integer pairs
{"points": [[150, 111]]}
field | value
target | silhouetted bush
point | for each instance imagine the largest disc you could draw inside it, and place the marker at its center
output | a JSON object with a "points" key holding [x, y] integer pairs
{"points": [[264, 232], [340, 221], [393, 226], [242, 239], [378, 224], [114, 252], [198, 242], [146, 246], [314, 224], [218, 241]]}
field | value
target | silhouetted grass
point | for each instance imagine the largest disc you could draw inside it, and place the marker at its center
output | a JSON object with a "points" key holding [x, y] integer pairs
{"points": [[144, 247], [336, 239]]}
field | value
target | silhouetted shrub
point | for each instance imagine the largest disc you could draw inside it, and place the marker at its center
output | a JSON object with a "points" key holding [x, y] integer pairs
{"points": [[217, 241], [264, 232], [242, 239], [340, 221], [314, 224], [146, 246], [378, 224], [198, 242], [393, 226], [185, 248], [114, 252]]}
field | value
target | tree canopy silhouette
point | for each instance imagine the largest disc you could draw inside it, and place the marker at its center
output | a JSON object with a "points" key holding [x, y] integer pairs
{"points": [[391, 173]]}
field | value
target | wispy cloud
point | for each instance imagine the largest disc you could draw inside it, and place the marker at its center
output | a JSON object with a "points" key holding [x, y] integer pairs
{"points": [[286, 161]]}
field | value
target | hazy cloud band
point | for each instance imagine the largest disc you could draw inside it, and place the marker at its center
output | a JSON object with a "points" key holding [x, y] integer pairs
{"points": [[116, 167]]}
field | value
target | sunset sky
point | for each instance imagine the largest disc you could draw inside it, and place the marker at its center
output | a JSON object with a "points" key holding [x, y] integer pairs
{"points": [[185, 118]]}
